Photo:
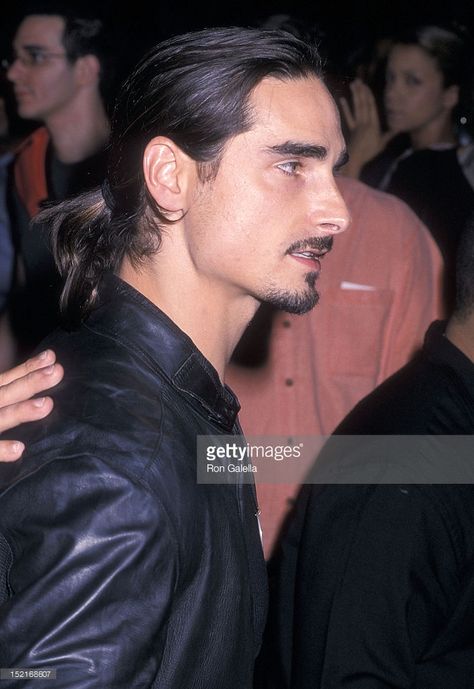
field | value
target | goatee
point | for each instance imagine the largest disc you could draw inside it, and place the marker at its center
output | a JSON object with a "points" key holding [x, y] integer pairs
{"points": [[295, 302]]}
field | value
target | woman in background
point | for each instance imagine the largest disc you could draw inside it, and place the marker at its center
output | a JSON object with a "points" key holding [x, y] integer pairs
{"points": [[421, 157]]}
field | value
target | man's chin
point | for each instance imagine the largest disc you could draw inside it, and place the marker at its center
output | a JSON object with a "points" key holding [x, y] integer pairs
{"points": [[26, 114], [293, 302]]}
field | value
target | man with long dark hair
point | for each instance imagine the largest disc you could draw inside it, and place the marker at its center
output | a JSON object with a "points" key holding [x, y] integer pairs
{"points": [[118, 568]]}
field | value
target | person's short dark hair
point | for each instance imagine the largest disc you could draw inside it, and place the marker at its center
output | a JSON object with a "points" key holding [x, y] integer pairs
{"points": [[464, 306], [85, 33], [194, 89]]}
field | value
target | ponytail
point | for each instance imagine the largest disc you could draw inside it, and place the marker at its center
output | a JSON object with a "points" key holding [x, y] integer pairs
{"points": [[82, 249], [91, 234]]}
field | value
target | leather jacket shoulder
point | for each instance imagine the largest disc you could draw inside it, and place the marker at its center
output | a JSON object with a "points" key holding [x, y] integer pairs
{"points": [[117, 568]]}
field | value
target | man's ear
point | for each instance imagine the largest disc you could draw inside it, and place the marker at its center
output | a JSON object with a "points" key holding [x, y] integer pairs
{"points": [[168, 172], [451, 96], [87, 69]]}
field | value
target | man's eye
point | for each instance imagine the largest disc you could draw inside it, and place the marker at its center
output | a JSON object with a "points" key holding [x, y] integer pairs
{"points": [[37, 57], [290, 168]]}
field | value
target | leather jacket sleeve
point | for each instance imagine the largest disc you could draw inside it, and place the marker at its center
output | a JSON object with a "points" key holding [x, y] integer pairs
{"points": [[92, 599]]}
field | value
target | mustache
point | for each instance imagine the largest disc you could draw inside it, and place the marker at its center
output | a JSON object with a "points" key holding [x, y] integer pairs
{"points": [[320, 244]]}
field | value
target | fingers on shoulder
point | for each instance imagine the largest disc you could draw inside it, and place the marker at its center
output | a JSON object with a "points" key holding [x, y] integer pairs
{"points": [[41, 360], [10, 450], [30, 410], [22, 388]]}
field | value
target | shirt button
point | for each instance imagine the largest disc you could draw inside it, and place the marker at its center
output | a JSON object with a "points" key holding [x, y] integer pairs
{"points": [[289, 382]]}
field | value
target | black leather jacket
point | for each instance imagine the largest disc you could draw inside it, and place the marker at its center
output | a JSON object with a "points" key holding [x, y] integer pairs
{"points": [[116, 568]]}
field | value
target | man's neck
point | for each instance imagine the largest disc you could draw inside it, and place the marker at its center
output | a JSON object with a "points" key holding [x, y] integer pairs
{"points": [[461, 334], [214, 321], [79, 132]]}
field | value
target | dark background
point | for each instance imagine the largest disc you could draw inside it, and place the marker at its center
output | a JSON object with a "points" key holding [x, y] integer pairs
{"points": [[346, 26], [140, 23]]}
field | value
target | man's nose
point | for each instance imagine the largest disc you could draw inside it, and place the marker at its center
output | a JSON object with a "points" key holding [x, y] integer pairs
{"points": [[392, 90], [14, 69], [334, 216]]}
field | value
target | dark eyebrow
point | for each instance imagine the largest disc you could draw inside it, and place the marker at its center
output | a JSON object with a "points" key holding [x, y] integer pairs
{"points": [[293, 148], [33, 47], [30, 48], [304, 150]]}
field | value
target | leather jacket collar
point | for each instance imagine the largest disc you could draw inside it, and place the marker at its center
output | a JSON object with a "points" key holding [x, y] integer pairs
{"points": [[164, 346]]}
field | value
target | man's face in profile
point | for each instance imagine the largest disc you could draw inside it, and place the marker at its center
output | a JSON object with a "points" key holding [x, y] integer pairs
{"points": [[262, 225], [44, 81]]}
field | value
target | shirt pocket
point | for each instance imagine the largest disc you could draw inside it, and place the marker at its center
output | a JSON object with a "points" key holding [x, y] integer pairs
{"points": [[357, 332]]}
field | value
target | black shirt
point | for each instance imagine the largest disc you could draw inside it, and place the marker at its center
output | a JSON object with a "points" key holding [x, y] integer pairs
{"points": [[433, 184], [34, 307], [373, 587]]}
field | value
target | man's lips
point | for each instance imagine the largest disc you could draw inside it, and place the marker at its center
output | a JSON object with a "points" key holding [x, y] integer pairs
{"points": [[20, 94], [311, 251], [308, 258]]}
